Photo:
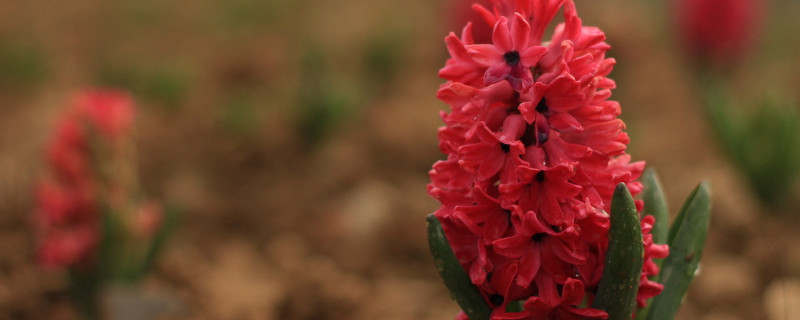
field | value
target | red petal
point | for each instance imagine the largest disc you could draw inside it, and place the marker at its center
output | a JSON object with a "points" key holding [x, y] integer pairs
{"points": [[587, 313], [498, 72], [520, 31], [512, 247], [529, 265], [491, 165], [501, 36], [530, 56], [565, 122], [572, 292], [485, 54]]}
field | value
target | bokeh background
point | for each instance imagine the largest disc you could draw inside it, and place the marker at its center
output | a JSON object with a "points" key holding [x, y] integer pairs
{"points": [[296, 136]]}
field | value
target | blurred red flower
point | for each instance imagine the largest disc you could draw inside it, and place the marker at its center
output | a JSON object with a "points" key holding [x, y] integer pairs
{"points": [[718, 31], [461, 13], [67, 213]]}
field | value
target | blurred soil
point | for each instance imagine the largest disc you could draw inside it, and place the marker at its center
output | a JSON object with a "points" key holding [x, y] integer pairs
{"points": [[296, 137]]}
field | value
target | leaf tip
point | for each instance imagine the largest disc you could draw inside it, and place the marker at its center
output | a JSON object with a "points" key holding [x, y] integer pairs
{"points": [[621, 189], [430, 218]]}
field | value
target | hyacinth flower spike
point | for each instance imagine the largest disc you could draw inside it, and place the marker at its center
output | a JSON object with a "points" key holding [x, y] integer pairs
{"points": [[537, 216]]}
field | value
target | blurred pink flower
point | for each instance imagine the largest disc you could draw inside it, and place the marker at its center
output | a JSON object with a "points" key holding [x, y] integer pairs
{"points": [[148, 219], [67, 214], [110, 111], [718, 31]]}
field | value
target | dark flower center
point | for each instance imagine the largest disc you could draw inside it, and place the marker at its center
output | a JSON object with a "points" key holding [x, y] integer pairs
{"points": [[543, 137], [540, 176], [541, 107], [542, 132], [512, 58], [538, 237], [529, 137], [534, 134], [496, 299], [506, 148]]}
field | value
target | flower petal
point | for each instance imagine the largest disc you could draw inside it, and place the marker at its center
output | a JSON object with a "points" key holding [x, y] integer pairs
{"points": [[486, 55], [501, 36], [512, 247], [530, 56], [529, 265], [496, 73], [520, 31]]}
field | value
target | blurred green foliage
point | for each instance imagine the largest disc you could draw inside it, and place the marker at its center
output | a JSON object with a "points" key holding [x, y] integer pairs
{"points": [[762, 139], [163, 84], [323, 112], [324, 101], [22, 64], [328, 99], [383, 56], [239, 113], [247, 14]]}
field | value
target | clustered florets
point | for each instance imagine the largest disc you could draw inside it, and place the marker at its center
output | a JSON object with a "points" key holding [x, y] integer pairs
{"points": [[534, 151], [68, 212]]}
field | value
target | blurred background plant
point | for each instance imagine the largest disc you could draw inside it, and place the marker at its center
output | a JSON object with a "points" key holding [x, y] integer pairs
{"points": [[761, 137], [756, 123], [91, 219], [22, 64]]}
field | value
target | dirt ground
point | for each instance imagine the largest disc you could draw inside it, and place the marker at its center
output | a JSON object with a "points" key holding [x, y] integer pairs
{"points": [[296, 137]]}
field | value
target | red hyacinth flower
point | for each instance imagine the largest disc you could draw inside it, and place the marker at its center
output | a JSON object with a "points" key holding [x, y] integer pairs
{"points": [[492, 152], [534, 149], [509, 57], [537, 245]]}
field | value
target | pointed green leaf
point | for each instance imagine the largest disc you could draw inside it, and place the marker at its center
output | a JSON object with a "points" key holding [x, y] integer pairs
{"points": [[616, 292], [655, 204], [157, 243], [688, 235], [455, 278], [681, 217]]}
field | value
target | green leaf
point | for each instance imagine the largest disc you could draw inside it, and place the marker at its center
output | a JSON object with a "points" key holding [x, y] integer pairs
{"points": [[687, 237], [655, 204], [455, 278], [678, 222], [157, 243], [616, 292]]}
